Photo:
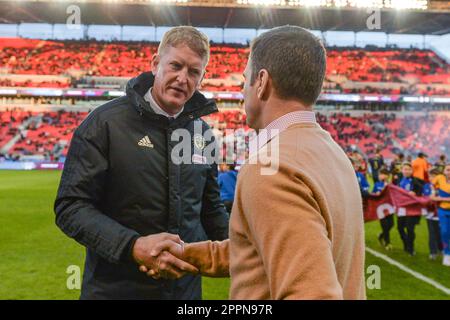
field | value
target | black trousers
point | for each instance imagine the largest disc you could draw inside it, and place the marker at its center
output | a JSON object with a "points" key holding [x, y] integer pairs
{"points": [[406, 226], [386, 225], [434, 236]]}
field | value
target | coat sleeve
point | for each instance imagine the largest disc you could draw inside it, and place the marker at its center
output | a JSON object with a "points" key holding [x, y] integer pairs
{"points": [[289, 233], [80, 193], [214, 216]]}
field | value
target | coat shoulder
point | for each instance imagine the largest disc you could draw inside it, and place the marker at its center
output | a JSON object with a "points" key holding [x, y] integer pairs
{"points": [[107, 111]]}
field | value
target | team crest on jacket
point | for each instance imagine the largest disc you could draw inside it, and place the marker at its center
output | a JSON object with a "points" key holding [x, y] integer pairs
{"points": [[199, 141]]}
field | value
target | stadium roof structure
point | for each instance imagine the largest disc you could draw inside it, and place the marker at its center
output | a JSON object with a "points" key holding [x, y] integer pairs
{"points": [[229, 14]]}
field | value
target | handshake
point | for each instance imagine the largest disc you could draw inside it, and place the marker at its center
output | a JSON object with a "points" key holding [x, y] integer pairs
{"points": [[161, 256]]}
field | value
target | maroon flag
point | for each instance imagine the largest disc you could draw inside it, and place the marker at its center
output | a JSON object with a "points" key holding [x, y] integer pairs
{"points": [[394, 199], [378, 207]]}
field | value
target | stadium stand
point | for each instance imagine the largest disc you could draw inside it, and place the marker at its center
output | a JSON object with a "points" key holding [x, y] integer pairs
{"points": [[49, 133], [9, 123], [46, 134], [349, 70], [95, 64]]}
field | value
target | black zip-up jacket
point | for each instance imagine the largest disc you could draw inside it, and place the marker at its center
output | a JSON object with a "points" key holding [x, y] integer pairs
{"points": [[119, 182]]}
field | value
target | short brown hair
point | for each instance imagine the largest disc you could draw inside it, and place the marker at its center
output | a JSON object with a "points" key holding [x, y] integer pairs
{"points": [[295, 60], [189, 36], [406, 164]]}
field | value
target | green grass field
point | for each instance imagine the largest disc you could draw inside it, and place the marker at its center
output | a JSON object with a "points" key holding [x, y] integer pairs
{"points": [[34, 253]]}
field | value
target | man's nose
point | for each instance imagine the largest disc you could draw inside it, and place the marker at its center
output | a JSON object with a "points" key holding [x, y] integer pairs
{"points": [[182, 76]]}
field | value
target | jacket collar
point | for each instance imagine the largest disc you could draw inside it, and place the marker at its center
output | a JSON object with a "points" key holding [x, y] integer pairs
{"points": [[196, 107]]}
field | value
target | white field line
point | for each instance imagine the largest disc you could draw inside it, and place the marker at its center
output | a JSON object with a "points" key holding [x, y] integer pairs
{"points": [[415, 274]]}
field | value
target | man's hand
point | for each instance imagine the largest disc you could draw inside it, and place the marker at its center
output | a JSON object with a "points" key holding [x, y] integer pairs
{"points": [[147, 253], [167, 251]]}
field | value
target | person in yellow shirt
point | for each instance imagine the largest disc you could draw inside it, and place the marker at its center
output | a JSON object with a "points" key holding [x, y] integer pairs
{"points": [[442, 185]]}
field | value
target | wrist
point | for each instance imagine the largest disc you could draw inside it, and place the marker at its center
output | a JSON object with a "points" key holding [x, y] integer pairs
{"points": [[136, 250]]}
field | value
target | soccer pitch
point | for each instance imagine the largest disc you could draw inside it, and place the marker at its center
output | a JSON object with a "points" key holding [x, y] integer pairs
{"points": [[35, 254]]}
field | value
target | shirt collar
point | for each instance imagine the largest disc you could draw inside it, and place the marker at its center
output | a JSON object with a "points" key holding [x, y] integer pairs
{"points": [[156, 108], [279, 125]]}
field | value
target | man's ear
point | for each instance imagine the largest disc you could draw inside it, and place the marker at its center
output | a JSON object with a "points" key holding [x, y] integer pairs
{"points": [[263, 80], [155, 62]]}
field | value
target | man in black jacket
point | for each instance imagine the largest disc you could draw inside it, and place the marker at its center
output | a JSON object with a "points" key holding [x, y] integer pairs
{"points": [[123, 189]]}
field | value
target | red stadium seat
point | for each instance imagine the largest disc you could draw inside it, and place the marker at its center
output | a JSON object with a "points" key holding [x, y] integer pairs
{"points": [[127, 59]]}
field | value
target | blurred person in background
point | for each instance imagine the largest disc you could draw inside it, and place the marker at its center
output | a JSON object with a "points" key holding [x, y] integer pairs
{"points": [[431, 215], [409, 158], [406, 224], [376, 163], [396, 168], [442, 185], [420, 167], [227, 184], [364, 186], [440, 164], [387, 222]]}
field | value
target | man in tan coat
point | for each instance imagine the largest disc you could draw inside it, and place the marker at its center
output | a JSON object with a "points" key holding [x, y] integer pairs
{"points": [[296, 228]]}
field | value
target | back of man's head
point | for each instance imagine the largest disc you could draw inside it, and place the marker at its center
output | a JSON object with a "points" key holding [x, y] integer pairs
{"points": [[295, 60], [188, 36]]}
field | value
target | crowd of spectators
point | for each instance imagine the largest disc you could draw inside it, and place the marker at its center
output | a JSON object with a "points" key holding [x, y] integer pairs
{"points": [[47, 133], [389, 132], [408, 67]]}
